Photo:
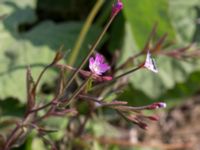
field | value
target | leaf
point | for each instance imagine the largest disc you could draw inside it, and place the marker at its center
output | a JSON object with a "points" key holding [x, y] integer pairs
{"points": [[129, 44], [10, 111], [143, 14], [170, 73], [183, 19], [35, 47], [63, 9], [140, 17], [38, 144], [117, 31], [55, 123], [100, 127], [11, 108]]}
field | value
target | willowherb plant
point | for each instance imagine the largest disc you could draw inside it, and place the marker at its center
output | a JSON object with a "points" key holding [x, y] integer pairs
{"points": [[94, 82]]}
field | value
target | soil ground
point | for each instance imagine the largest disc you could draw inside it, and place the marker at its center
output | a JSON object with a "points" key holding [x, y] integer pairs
{"points": [[179, 128]]}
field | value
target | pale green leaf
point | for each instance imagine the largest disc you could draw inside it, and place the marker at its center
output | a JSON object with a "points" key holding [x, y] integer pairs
{"points": [[35, 47], [143, 14], [174, 18]]}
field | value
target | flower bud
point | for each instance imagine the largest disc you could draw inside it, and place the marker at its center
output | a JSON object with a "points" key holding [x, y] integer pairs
{"points": [[157, 105], [153, 118], [117, 8]]}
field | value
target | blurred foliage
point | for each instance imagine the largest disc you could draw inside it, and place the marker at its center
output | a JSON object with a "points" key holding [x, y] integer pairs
{"points": [[143, 14], [29, 37], [140, 18], [183, 16], [34, 47], [62, 9], [11, 107]]}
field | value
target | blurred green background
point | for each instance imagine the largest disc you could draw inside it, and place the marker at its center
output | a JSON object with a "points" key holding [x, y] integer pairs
{"points": [[32, 30]]}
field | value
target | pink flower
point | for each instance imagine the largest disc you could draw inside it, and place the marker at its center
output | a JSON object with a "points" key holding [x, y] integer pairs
{"points": [[117, 7], [150, 63], [98, 65]]}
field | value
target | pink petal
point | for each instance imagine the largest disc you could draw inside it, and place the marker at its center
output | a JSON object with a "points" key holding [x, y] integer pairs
{"points": [[97, 65], [150, 63], [104, 67], [99, 58], [91, 63]]}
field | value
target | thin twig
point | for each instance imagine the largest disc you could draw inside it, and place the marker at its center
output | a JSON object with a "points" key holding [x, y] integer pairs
{"points": [[90, 52], [101, 85], [71, 99], [84, 31]]}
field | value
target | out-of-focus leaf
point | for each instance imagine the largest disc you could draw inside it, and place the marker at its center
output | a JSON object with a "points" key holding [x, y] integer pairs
{"points": [[129, 44], [97, 146], [143, 14], [62, 9], [10, 111], [11, 108], [55, 123], [172, 96], [117, 31], [183, 15], [140, 17], [183, 90], [134, 97], [35, 47], [38, 144], [100, 127], [170, 73]]}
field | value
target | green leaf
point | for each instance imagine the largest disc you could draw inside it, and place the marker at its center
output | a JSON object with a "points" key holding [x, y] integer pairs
{"points": [[117, 33], [170, 73], [38, 144], [56, 123], [63, 9], [34, 47], [11, 108], [143, 14], [183, 15], [129, 44], [99, 127], [140, 18]]}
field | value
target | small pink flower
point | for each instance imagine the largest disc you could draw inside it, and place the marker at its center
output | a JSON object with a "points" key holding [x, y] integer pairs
{"points": [[98, 65], [150, 63], [117, 7]]}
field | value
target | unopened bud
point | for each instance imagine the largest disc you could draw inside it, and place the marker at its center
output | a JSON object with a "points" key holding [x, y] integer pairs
{"points": [[157, 105], [107, 78], [162, 105], [117, 7], [153, 118]]}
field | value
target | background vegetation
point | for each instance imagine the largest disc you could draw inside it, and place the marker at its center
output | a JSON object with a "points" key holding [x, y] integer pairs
{"points": [[32, 30]]}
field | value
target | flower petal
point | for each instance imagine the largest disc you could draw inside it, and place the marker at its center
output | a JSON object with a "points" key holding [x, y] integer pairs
{"points": [[150, 63], [99, 58], [98, 65], [104, 67]]}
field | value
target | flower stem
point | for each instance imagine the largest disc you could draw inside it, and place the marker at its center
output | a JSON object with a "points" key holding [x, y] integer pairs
{"points": [[116, 78], [128, 72], [84, 31], [90, 51], [11, 138], [71, 99]]}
